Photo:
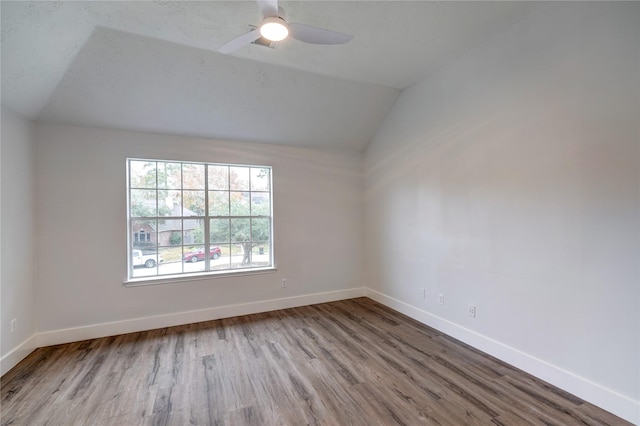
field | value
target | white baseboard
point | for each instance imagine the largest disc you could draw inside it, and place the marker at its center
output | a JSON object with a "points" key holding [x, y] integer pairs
{"points": [[607, 399], [17, 354], [57, 337], [75, 334]]}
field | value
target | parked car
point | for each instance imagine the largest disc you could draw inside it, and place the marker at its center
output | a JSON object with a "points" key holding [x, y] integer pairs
{"points": [[195, 256], [148, 260]]}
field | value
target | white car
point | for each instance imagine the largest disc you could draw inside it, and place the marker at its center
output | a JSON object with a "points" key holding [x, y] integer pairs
{"points": [[148, 260]]}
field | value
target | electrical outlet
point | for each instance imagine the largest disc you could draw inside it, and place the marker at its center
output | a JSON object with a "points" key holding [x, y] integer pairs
{"points": [[14, 325], [471, 311], [440, 299], [284, 282], [423, 293]]}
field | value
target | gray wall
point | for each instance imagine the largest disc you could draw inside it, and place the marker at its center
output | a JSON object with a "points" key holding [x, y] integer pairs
{"points": [[18, 231], [81, 223], [509, 179]]}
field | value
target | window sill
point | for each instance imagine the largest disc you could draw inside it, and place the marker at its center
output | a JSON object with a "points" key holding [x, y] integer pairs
{"points": [[170, 279]]}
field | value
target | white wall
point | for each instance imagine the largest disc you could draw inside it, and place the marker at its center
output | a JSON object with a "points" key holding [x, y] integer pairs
{"points": [[17, 246], [81, 225], [509, 179]]}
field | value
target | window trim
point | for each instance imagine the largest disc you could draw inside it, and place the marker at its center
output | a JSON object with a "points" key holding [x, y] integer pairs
{"points": [[197, 276], [131, 281]]}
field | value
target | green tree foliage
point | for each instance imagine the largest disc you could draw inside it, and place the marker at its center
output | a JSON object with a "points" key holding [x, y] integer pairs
{"points": [[175, 239]]}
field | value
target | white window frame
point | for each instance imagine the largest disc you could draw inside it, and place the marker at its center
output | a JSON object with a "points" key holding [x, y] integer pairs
{"points": [[209, 272]]}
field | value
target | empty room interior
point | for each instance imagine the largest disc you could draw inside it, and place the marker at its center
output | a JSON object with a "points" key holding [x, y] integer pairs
{"points": [[403, 212]]}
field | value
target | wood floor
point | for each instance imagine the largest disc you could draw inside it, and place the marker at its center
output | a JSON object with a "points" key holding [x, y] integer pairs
{"points": [[352, 362]]}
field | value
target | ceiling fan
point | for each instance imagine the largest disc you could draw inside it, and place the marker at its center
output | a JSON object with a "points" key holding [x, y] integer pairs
{"points": [[274, 27]]}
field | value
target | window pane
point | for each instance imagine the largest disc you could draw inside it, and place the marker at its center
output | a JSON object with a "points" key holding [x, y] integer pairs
{"points": [[169, 232], [239, 178], [193, 253], [143, 203], [218, 203], [260, 255], [143, 233], [259, 179], [239, 203], [240, 230], [260, 230], [144, 261], [169, 175], [142, 174], [193, 258], [219, 178], [193, 176], [260, 205], [224, 261], [193, 203], [169, 203], [193, 231], [219, 231]]}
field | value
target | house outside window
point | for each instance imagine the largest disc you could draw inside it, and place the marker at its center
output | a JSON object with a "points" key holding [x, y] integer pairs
{"points": [[188, 218]]}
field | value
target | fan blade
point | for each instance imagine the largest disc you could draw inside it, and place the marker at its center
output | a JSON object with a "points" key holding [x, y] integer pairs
{"points": [[240, 41], [315, 35], [269, 8]]}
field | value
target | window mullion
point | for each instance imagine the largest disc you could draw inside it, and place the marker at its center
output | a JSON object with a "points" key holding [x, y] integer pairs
{"points": [[229, 213], [250, 255], [207, 239]]}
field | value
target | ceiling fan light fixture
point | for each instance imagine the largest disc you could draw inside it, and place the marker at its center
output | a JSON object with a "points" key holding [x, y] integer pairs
{"points": [[274, 29]]}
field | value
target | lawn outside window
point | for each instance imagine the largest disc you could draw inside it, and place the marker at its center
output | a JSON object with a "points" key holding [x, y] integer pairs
{"points": [[187, 219]]}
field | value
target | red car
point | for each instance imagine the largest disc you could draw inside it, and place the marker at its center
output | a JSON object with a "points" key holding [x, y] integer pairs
{"points": [[195, 256]]}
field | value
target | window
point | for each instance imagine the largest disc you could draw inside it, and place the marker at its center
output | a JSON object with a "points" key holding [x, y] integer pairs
{"points": [[141, 236], [198, 218]]}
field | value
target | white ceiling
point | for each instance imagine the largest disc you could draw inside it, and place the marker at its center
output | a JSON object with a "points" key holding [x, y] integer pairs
{"points": [[153, 66]]}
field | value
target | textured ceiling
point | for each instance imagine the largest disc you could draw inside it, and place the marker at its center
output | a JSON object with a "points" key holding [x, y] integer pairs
{"points": [[120, 80], [153, 66]]}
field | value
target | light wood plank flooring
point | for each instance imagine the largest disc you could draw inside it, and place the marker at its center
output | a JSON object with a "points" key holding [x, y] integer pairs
{"points": [[351, 362]]}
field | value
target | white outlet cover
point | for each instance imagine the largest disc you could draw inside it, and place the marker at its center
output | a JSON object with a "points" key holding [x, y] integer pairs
{"points": [[471, 311]]}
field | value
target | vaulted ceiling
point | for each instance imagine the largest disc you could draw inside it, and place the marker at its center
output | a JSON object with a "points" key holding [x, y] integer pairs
{"points": [[154, 66]]}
